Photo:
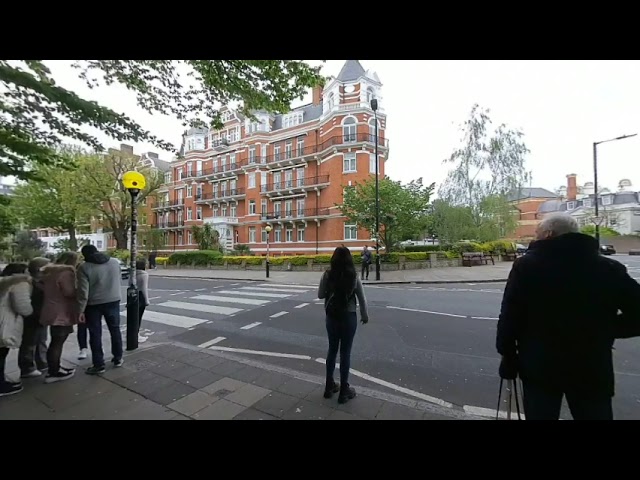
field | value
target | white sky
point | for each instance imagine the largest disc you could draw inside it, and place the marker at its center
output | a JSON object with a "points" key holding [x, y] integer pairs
{"points": [[562, 107]]}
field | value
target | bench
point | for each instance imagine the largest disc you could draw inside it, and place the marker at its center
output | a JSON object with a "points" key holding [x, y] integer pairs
{"points": [[476, 258], [510, 256]]}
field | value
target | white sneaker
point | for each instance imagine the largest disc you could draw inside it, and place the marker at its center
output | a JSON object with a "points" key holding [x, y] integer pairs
{"points": [[142, 339], [33, 374], [83, 354]]}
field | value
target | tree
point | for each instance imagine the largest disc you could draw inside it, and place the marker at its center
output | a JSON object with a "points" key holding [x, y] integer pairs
{"points": [[68, 245], [8, 221], [206, 237], [57, 201], [37, 115], [103, 185], [451, 223], [152, 239], [487, 168], [27, 245], [403, 208]]}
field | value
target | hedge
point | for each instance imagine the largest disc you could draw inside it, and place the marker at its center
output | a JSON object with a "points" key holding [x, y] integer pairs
{"points": [[199, 257]]}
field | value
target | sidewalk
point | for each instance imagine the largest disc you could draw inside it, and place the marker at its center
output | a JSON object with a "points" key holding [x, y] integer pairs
{"points": [[179, 382], [478, 274]]}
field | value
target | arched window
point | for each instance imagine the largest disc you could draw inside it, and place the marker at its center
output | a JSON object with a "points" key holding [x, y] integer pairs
{"points": [[372, 130], [370, 95], [349, 130]]}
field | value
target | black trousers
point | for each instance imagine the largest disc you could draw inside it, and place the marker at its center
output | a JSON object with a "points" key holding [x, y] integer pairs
{"points": [[3, 362], [541, 403], [59, 335], [365, 270], [32, 354]]}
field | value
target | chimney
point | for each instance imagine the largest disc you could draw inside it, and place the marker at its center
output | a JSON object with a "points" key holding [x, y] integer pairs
{"points": [[572, 187], [316, 94], [124, 148]]}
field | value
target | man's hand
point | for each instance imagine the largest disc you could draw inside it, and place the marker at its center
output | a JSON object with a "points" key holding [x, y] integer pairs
{"points": [[82, 319], [508, 367], [364, 320]]}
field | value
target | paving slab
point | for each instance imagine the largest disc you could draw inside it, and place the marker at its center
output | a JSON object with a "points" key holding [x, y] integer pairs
{"points": [[305, 410], [193, 403], [223, 387], [297, 388], [248, 395], [248, 374], [202, 379], [251, 414], [271, 380], [390, 411], [361, 406], [170, 393], [226, 368], [220, 410], [276, 404]]}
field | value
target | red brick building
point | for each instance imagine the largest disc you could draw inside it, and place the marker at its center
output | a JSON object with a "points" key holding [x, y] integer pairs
{"points": [[287, 171], [526, 203]]}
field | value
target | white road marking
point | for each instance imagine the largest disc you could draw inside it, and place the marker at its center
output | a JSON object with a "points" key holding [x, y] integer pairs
{"points": [[255, 294], [488, 412], [484, 318], [154, 298], [242, 301], [397, 388], [211, 342], [199, 289], [301, 305], [198, 307], [259, 352], [282, 285], [426, 311], [319, 303], [177, 293], [274, 290], [172, 320], [234, 284], [279, 314], [250, 326]]}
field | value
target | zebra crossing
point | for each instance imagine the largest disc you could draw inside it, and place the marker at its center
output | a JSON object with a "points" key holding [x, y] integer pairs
{"points": [[203, 307]]}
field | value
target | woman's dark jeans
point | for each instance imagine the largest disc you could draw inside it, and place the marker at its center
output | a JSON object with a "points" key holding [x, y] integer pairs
{"points": [[341, 332], [58, 337]]}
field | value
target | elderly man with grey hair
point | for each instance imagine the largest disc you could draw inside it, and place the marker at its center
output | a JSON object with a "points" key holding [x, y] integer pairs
{"points": [[559, 320]]}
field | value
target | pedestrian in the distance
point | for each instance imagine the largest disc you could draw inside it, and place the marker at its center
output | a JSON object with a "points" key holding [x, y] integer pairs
{"points": [[99, 296], [559, 320], [152, 260], [60, 311], [15, 304], [142, 281], [366, 262], [32, 355], [339, 287]]}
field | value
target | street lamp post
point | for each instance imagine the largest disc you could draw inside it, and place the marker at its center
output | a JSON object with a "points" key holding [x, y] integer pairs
{"points": [[374, 107], [134, 182], [595, 179], [268, 230]]}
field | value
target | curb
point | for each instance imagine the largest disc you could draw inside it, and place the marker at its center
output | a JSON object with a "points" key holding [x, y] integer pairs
{"points": [[381, 282]]}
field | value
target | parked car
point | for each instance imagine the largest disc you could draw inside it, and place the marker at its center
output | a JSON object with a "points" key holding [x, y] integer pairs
{"points": [[124, 269], [521, 249], [607, 250]]}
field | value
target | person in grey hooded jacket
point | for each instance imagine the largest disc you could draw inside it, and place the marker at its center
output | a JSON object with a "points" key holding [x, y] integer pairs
{"points": [[99, 296]]}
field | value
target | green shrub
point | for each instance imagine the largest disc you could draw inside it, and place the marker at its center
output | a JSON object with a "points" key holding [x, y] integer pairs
{"points": [[323, 258], [425, 248], [254, 260], [465, 247], [161, 260], [198, 258]]}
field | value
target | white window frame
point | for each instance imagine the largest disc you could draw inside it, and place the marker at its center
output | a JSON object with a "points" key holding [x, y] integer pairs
{"points": [[234, 211], [252, 234], [252, 207], [300, 204], [288, 150], [224, 210], [587, 203], [180, 239], [372, 164], [189, 213], [252, 155], [289, 235], [349, 229], [263, 235], [252, 180], [288, 208], [607, 200], [277, 235], [189, 190], [301, 234], [263, 153], [232, 161], [198, 213], [189, 238], [264, 206], [571, 205], [349, 130], [276, 153], [352, 159]]}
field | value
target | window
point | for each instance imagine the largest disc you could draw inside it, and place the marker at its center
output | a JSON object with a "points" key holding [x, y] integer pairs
{"points": [[252, 154], [301, 234], [370, 95], [189, 191], [277, 234], [215, 166], [372, 163], [189, 169], [288, 208], [198, 213], [277, 176], [300, 146], [263, 207], [99, 244], [252, 207], [189, 214], [167, 177], [252, 180], [189, 238], [277, 209], [349, 130], [223, 163], [350, 232], [180, 199], [264, 236], [215, 211], [225, 116], [300, 177], [234, 211], [289, 235], [587, 203], [233, 135], [252, 235], [276, 153], [234, 190], [288, 178], [613, 221], [331, 102], [179, 238], [143, 219], [263, 154], [224, 210], [349, 162], [179, 172], [264, 178], [288, 150], [199, 168], [607, 200], [571, 205], [216, 187], [372, 130], [232, 161], [300, 207]]}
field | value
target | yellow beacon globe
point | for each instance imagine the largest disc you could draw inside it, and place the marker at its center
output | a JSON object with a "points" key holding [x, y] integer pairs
{"points": [[134, 180]]}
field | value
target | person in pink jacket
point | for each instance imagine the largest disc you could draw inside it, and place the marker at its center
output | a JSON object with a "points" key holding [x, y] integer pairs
{"points": [[59, 311]]}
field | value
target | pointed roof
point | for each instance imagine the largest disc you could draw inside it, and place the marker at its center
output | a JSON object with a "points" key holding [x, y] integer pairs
{"points": [[352, 70]]}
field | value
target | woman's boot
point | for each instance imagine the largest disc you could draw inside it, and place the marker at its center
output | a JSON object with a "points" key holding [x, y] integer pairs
{"points": [[330, 388], [346, 393]]}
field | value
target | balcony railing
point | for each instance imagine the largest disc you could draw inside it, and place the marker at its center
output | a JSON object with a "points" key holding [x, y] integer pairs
{"points": [[221, 195], [161, 225], [170, 204], [295, 213], [305, 182], [226, 168]]}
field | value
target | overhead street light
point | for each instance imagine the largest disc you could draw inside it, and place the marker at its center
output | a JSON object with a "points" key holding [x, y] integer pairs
{"points": [[374, 107], [595, 178]]}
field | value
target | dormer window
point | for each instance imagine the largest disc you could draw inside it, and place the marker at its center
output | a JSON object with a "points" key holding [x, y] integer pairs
{"points": [[226, 116], [292, 119], [371, 94], [571, 205], [587, 203], [607, 200]]}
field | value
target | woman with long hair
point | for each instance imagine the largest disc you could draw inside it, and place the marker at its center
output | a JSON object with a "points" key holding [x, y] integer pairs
{"points": [[59, 311], [15, 304], [339, 287]]}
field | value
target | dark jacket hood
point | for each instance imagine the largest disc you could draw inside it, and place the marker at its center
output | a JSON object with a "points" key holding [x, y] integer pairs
{"points": [[569, 245], [97, 258]]}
